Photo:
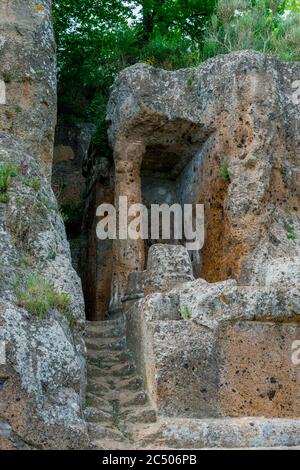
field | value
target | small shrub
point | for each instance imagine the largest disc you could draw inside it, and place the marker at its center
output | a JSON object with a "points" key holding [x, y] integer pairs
{"points": [[4, 198], [170, 51], [224, 170], [26, 261], [7, 172], [33, 183], [290, 232], [18, 109], [38, 296], [186, 313], [258, 25]]}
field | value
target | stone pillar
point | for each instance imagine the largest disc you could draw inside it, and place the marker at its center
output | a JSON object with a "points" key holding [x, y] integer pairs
{"points": [[129, 255], [28, 76]]}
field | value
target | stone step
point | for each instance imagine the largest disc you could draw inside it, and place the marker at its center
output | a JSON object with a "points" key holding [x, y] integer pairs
{"points": [[105, 344], [222, 433], [134, 383], [108, 444], [101, 432], [115, 399], [108, 358], [126, 369], [107, 332], [96, 415], [108, 389], [95, 401], [110, 333], [102, 325], [98, 388], [128, 398], [145, 415]]}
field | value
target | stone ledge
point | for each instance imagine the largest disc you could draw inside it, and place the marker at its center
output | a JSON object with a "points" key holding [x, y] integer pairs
{"points": [[226, 433]]}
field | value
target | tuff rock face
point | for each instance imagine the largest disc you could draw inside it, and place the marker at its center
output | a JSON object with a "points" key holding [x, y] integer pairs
{"points": [[42, 380], [28, 76], [216, 349], [225, 134], [213, 330]]}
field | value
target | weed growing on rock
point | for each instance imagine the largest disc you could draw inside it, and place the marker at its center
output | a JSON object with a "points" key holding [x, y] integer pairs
{"points": [[38, 296], [290, 232], [7, 172], [117, 419], [224, 170], [186, 313], [33, 183]]}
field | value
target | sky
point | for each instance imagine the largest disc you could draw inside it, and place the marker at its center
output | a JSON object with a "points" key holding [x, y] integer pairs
{"points": [[136, 12]]}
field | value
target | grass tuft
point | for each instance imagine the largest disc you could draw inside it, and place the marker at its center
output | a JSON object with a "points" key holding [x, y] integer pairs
{"points": [[38, 296], [224, 170], [186, 313], [7, 172]]}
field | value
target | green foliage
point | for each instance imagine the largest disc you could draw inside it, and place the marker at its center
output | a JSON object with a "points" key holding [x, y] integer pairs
{"points": [[224, 170], [285, 45], [186, 313], [7, 172], [116, 412], [260, 25], [4, 198], [162, 16], [38, 296], [33, 183], [72, 217], [291, 235], [96, 39], [172, 51]]}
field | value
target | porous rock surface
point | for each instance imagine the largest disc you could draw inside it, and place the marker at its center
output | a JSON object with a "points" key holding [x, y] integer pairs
{"points": [[217, 349], [212, 331], [42, 380], [228, 134], [213, 350]]}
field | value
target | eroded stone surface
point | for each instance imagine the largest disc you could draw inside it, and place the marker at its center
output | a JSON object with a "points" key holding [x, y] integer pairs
{"points": [[42, 383], [212, 350], [28, 69], [44, 375], [227, 133], [226, 433]]}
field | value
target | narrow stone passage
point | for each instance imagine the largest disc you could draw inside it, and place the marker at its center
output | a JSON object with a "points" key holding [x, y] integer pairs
{"points": [[116, 402]]}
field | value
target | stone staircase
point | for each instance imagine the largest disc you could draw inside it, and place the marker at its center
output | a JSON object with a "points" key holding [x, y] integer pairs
{"points": [[120, 417], [116, 402]]}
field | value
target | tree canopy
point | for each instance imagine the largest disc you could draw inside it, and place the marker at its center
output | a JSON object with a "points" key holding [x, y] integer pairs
{"points": [[98, 38]]}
